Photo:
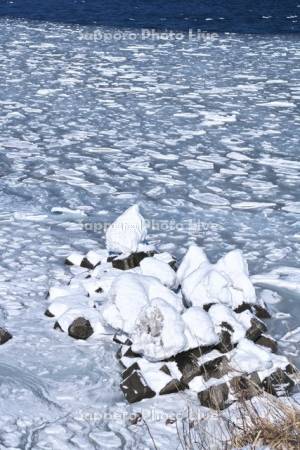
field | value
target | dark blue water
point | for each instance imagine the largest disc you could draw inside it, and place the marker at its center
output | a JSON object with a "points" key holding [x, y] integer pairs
{"points": [[245, 16]]}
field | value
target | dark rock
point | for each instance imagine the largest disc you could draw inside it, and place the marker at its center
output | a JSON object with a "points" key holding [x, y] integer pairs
{"points": [[225, 345], [87, 264], [48, 313], [291, 370], [135, 388], [267, 341], [173, 264], [188, 365], [216, 368], [165, 369], [4, 336], [99, 290], [172, 387], [259, 311], [130, 354], [129, 370], [125, 351], [215, 397], [111, 258], [278, 383], [256, 330], [200, 351], [245, 388], [208, 306], [80, 329], [58, 327], [122, 339], [68, 262], [227, 327], [131, 261]]}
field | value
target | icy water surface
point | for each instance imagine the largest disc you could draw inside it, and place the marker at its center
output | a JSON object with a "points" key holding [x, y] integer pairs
{"points": [[242, 16], [204, 134]]}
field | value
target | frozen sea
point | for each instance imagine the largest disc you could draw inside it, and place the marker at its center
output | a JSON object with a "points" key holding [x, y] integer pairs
{"points": [[203, 133]]}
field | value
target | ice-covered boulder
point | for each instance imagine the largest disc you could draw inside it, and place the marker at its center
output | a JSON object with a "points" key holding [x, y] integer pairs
{"points": [[129, 293], [199, 328], [159, 331], [193, 259], [128, 262], [82, 321], [61, 304], [157, 268], [127, 232], [225, 282]]}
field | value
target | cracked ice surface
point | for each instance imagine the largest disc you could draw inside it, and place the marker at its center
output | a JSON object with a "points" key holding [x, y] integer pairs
{"points": [[205, 134]]}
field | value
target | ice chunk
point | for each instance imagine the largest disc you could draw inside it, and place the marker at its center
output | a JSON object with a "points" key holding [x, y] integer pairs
{"points": [[127, 232]]}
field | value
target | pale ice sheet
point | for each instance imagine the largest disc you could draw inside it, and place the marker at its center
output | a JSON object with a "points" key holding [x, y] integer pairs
{"points": [[194, 132]]}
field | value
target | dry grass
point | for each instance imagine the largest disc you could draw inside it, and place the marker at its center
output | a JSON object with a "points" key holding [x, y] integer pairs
{"points": [[276, 426], [280, 430]]}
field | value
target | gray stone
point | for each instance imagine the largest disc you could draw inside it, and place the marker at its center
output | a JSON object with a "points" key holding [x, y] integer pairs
{"points": [[256, 330], [5, 336], [131, 261], [225, 345], [87, 264], [58, 327], [215, 397], [267, 341], [122, 339], [129, 370], [244, 388], [48, 313], [278, 383], [188, 365], [80, 329], [259, 311], [165, 369], [216, 368], [135, 388], [172, 387]]}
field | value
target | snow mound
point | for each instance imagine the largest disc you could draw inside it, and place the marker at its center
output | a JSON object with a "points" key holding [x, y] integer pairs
{"points": [[225, 282], [127, 232]]}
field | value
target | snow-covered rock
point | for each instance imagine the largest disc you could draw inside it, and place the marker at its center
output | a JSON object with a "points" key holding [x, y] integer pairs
{"points": [[193, 259], [127, 232], [129, 293], [159, 331], [89, 314], [199, 328], [157, 268], [225, 282]]}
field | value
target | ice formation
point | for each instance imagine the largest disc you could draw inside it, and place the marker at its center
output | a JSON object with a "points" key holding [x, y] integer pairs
{"points": [[198, 327], [127, 232]]}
